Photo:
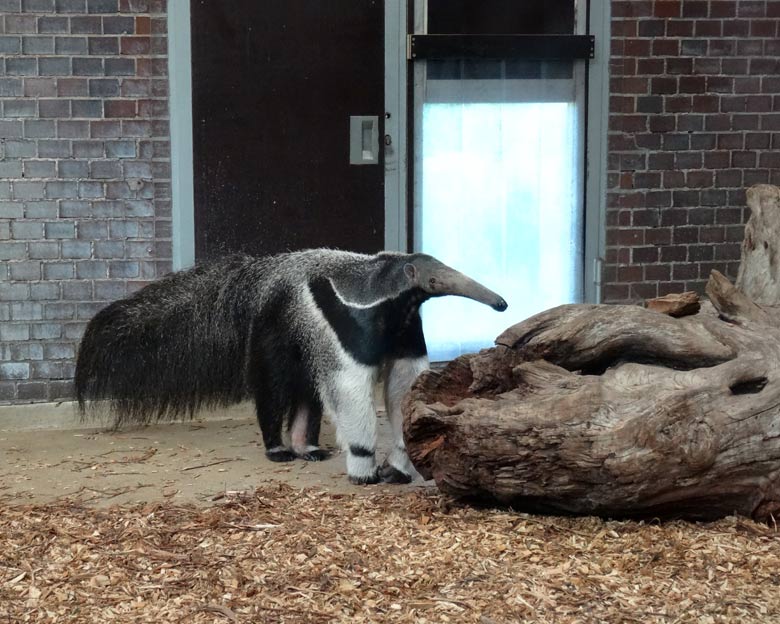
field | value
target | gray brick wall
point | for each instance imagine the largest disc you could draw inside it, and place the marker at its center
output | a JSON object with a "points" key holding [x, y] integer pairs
{"points": [[84, 176]]}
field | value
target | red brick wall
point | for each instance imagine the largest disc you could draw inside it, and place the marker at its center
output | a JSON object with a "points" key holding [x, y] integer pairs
{"points": [[694, 119]]}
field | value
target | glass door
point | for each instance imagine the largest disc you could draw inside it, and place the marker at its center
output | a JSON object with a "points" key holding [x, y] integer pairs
{"points": [[499, 110]]}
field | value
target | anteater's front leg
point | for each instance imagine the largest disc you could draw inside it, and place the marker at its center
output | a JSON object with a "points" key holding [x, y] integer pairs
{"points": [[399, 376], [351, 402]]}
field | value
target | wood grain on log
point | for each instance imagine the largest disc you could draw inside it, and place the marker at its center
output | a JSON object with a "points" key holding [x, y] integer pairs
{"points": [[675, 304], [615, 410], [759, 269]]}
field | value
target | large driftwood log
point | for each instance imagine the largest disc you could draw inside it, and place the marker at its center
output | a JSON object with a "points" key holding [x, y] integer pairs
{"points": [[619, 410]]}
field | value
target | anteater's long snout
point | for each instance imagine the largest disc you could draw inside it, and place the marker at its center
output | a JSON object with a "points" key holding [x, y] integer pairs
{"points": [[452, 282]]}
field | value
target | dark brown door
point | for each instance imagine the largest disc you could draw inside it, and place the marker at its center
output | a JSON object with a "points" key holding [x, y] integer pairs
{"points": [[274, 86]]}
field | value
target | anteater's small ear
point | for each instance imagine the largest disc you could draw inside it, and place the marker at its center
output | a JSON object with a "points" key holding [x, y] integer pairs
{"points": [[411, 272]]}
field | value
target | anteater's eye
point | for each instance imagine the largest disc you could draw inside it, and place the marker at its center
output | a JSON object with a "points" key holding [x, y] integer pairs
{"points": [[432, 281]]}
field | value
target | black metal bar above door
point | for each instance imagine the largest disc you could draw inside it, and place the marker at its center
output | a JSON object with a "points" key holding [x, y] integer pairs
{"points": [[559, 47]]}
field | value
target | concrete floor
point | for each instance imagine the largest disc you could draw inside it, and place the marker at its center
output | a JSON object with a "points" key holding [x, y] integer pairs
{"points": [[46, 454]]}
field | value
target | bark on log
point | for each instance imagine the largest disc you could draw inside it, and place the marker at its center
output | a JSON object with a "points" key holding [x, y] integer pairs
{"points": [[618, 410]]}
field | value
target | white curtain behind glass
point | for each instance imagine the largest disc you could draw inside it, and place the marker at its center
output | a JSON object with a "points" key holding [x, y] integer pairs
{"points": [[501, 203]]}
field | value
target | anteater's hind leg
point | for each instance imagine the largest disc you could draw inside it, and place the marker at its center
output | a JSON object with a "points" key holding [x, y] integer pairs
{"points": [[271, 386], [305, 432], [272, 410]]}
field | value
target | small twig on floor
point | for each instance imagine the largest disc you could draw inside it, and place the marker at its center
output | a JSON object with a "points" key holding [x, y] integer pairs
{"points": [[214, 463]]}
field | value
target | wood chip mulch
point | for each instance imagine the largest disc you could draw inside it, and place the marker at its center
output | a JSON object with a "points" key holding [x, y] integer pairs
{"points": [[285, 555]]}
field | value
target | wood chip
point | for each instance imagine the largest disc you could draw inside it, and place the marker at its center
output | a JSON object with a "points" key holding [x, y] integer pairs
{"points": [[286, 555]]}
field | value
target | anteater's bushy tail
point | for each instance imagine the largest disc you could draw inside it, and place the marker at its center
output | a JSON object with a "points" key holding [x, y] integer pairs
{"points": [[174, 346]]}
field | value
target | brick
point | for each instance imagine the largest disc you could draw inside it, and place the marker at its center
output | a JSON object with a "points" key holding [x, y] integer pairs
{"points": [[86, 25], [648, 28], [26, 311], [25, 189], [19, 108], [71, 6], [41, 209], [39, 128], [120, 108], [110, 290], [72, 87], [667, 8], [25, 271], [40, 87], [60, 229], [39, 169], [54, 108], [73, 169], [93, 230], [102, 6], [742, 160], [25, 230], [745, 122], [37, 45], [88, 149], [54, 149], [10, 129], [91, 190], [120, 149], [723, 9], [87, 66], [20, 24], [736, 28], [77, 290], [756, 177], [105, 129], [72, 209], [119, 25], [92, 269], [105, 169], [10, 44], [109, 249], [11, 210], [20, 149], [76, 249], [58, 271], [120, 67], [763, 28], [104, 87], [699, 179], [72, 129], [13, 292], [45, 331], [14, 370], [21, 66], [46, 370], [59, 351], [10, 87], [123, 269], [53, 24], [61, 190], [10, 169], [70, 45], [47, 250], [31, 391], [88, 109], [103, 45], [88, 310]]}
